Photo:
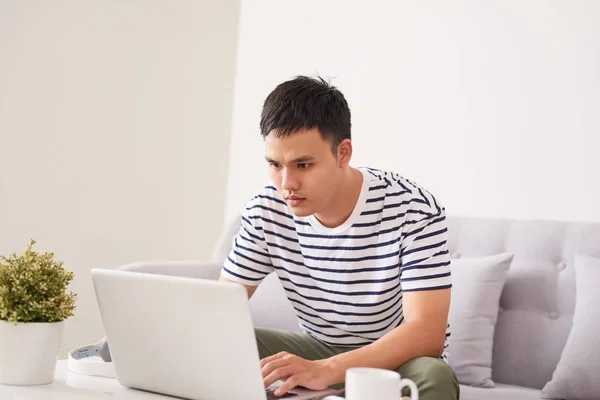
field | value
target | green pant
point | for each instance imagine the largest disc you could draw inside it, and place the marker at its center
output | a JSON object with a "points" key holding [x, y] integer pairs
{"points": [[434, 378]]}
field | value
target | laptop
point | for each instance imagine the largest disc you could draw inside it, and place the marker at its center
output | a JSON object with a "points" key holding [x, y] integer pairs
{"points": [[184, 337]]}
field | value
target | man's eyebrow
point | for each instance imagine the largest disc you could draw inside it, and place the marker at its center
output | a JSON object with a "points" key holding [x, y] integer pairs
{"points": [[295, 160], [303, 159]]}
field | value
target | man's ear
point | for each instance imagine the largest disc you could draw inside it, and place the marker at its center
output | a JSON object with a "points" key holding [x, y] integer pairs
{"points": [[344, 153]]}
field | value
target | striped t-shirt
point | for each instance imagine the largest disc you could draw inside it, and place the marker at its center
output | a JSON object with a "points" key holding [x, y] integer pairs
{"points": [[346, 283]]}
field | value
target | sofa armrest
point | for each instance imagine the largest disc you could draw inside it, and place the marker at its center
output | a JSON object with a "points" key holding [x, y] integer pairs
{"points": [[188, 269]]}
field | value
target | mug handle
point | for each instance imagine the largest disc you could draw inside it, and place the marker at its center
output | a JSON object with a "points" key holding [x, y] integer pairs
{"points": [[414, 392]]}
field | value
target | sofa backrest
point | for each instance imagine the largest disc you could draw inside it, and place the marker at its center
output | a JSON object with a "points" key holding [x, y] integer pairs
{"points": [[537, 303], [538, 300]]}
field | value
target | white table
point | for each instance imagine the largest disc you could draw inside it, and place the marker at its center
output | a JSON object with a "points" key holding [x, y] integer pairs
{"points": [[71, 386]]}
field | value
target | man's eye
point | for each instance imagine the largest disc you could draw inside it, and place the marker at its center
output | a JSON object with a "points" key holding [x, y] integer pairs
{"points": [[275, 165], [303, 165]]}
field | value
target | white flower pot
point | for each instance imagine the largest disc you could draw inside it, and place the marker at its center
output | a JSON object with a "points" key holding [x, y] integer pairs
{"points": [[28, 352]]}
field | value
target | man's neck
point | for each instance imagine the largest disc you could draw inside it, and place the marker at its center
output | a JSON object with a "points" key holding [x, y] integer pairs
{"points": [[344, 201]]}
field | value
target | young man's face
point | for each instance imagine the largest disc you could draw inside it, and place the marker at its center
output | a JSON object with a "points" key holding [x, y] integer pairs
{"points": [[303, 169]]}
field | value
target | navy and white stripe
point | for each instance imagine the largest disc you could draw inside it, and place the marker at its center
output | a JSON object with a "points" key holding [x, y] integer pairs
{"points": [[346, 283]]}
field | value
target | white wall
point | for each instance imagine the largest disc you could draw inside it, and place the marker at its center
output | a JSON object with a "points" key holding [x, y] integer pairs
{"points": [[493, 106], [114, 133]]}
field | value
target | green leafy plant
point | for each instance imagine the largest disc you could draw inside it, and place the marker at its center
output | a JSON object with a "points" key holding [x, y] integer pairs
{"points": [[33, 288]]}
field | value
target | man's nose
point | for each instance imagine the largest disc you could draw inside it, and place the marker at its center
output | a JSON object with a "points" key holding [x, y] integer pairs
{"points": [[289, 181]]}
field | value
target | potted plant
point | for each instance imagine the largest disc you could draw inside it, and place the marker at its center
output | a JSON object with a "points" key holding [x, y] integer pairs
{"points": [[34, 303]]}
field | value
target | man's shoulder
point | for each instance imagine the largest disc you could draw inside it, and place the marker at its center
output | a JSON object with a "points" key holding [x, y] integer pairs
{"points": [[396, 188], [267, 203]]}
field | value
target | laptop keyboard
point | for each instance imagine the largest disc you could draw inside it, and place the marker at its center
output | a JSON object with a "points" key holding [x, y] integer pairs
{"points": [[271, 395]]}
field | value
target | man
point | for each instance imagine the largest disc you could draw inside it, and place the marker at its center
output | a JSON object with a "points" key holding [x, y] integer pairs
{"points": [[361, 253]]}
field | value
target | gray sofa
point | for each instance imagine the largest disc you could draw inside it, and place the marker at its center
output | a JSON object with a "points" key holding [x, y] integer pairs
{"points": [[536, 306]]}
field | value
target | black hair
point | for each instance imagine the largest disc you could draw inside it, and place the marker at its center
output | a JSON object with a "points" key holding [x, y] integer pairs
{"points": [[306, 103]]}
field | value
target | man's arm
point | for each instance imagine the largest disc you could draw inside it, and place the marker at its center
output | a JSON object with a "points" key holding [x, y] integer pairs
{"points": [[249, 289], [422, 334], [426, 286]]}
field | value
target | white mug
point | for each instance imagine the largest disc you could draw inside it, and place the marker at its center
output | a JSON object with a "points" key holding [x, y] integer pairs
{"points": [[375, 383]]}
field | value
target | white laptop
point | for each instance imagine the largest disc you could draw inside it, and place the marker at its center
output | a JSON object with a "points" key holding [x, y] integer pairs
{"points": [[183, 337]]}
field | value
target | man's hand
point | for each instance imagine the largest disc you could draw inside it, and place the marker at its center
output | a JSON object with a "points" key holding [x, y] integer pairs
{"points": [[296, 371]]}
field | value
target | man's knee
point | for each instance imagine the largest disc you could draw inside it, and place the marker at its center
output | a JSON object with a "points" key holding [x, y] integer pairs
{"points": [[444, 379], [434, 378]]}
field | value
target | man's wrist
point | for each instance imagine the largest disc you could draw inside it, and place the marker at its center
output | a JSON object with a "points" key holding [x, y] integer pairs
{"points": [[337, 369]]}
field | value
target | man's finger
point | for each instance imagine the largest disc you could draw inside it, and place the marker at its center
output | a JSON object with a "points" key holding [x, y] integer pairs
{"points": [[280, 373], [273, 357], [273, 365], [288, 385]]}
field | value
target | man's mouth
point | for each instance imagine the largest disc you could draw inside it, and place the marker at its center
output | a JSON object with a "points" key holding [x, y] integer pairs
{"points": [[294, 200]]}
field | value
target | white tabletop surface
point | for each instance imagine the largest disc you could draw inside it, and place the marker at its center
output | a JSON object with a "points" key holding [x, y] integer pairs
{"points": [[71, 386]]}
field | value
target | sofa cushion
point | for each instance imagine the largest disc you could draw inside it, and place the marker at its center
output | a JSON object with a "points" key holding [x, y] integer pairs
{"points": [[500, 392], [538, 300], [477, 286], [576, 375]]}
